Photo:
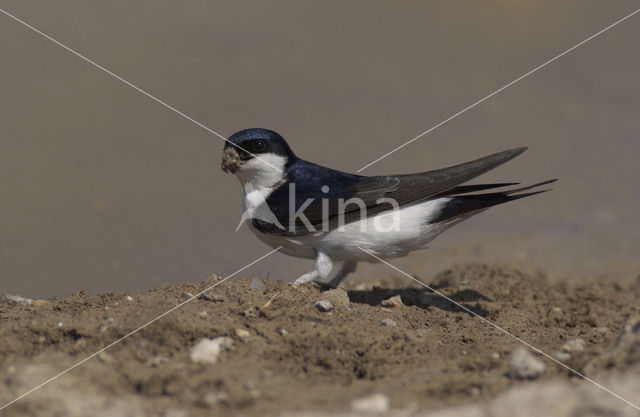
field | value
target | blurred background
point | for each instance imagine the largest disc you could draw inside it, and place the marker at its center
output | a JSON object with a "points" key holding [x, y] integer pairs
{"points": [[102, 188]]}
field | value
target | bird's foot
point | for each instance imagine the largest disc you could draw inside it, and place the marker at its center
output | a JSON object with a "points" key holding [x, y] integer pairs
{"points": [[304, 279]]}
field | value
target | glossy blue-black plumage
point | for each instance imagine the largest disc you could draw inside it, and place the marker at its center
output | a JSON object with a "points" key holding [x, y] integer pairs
{"points": [[246, 143], [322, 193]]}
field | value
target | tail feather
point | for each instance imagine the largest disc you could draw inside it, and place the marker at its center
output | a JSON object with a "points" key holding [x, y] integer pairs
{"points": [[465, 205]]}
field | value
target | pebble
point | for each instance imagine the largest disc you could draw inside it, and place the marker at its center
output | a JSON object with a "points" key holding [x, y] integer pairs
{"points": [[324, 305], [373, 404], [186, 295], [257, 285], [574, 346], [337, 296], [209, 296], [389, 323], [523, 365], [206, 351], [571, 347], [214, 398], [395, 301], [107, 321], [129, 298], [8, 298], [243, 334], [250, 313], [105, 357], [494, 360], [203, 314], [563, 357], [556, 313], [283, 332], [39, 303]]}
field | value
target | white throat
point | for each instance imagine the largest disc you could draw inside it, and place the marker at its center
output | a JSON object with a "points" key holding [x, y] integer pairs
{"points": [[263, 173], [258, 180]]}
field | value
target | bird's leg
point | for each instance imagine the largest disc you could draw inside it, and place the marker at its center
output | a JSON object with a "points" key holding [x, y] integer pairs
{"points": [[347, 268], [323, 268]]}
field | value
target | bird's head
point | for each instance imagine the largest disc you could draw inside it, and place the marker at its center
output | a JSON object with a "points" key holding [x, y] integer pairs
{"points": [[257, 156]]}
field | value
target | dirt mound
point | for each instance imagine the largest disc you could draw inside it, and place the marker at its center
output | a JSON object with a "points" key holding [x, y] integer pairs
{"points": [[288, 355]]}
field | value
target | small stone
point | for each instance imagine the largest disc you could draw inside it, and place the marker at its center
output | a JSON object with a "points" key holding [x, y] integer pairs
{"points": [[388, 322], [250, 313], [420, 333], [187, 295], [105, 357], [60, 324], [39, 303], [337, 296], [203, 314], [494, 360], [571, 347], [129, 298], [15, 299], [210, 296], [104, 325], [324, 305], [242, 334], [395, 301], [283, 332], [156, 361], [523, 365], [206, 351], [257, 285], [373, 404], [563, 357], [555, 313], [212, 399], [574, 346]]}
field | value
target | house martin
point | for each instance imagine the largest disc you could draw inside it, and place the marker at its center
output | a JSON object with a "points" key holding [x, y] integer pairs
{"points": [[330, 216]]}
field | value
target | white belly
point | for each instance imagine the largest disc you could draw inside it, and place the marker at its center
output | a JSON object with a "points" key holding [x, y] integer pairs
{"points": [[388, 235]]}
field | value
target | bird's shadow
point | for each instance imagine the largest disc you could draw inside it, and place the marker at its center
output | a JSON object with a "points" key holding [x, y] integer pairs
{"points": [[423, 298]]}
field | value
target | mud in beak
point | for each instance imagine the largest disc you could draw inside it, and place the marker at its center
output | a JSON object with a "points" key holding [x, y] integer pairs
{"points": [[231, 161]]}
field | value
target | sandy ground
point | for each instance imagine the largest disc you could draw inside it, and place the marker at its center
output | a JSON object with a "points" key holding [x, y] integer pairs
{"points": [[104, 189], [289, 357]]}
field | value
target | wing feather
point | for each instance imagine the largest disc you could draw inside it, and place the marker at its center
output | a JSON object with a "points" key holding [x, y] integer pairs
{"points": [[404, 189]]}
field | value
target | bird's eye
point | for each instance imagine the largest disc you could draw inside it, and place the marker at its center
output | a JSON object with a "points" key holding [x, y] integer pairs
{"points": [[260, 145]]}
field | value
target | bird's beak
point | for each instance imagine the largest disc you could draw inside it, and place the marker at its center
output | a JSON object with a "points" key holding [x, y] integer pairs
{"points": [[231, 161]]}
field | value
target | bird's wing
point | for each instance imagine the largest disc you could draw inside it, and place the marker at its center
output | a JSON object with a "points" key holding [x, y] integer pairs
{"points": [[345, 190]]}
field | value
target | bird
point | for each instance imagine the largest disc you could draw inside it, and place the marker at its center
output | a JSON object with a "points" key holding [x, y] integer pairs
{"points": [[314, 212]]}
